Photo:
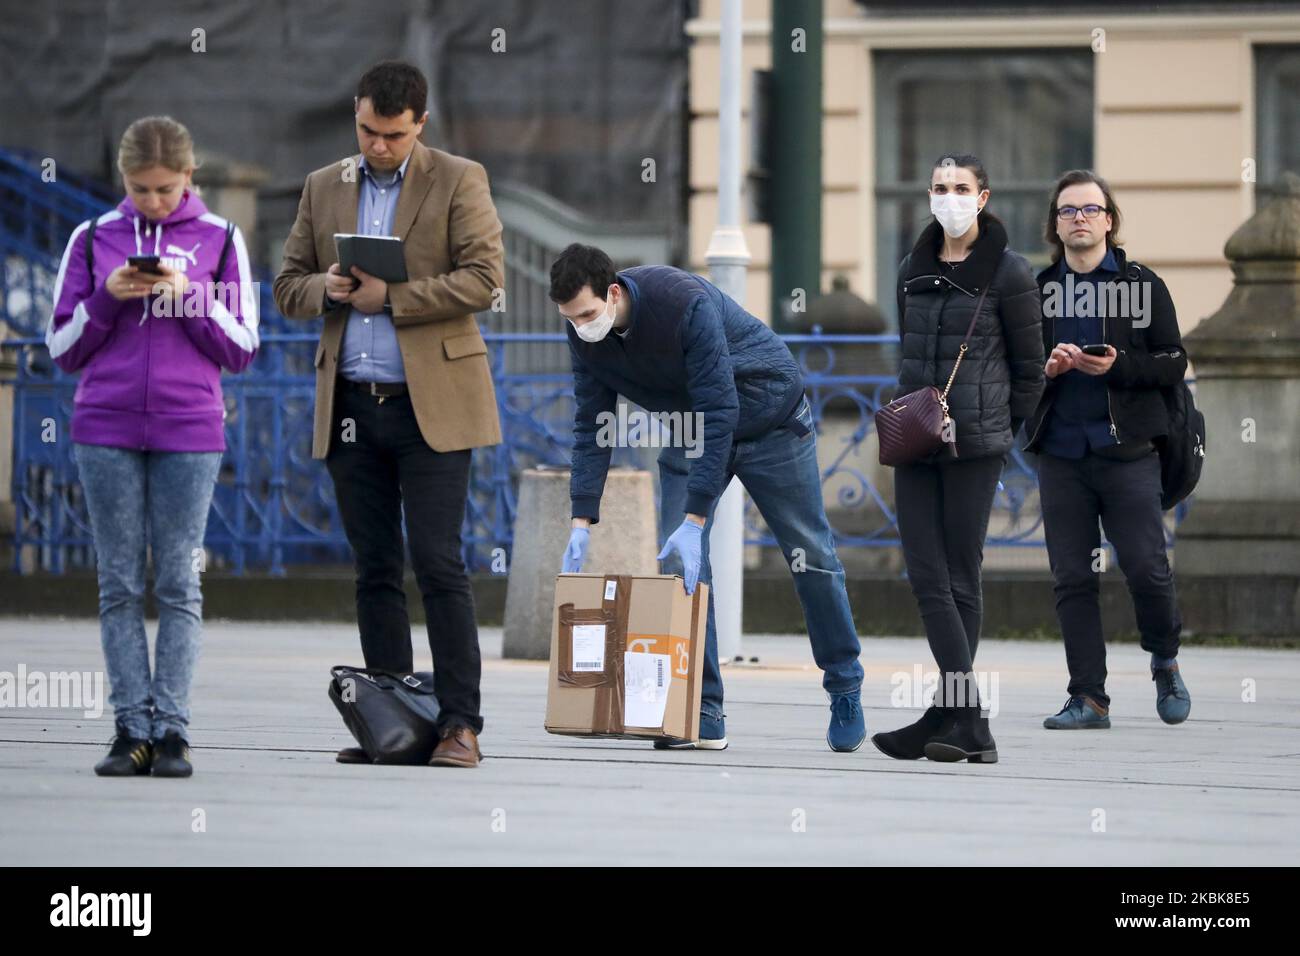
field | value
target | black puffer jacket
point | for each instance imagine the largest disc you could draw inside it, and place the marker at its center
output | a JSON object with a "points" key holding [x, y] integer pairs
{"points": [[1001, 378], [1151, 357]]}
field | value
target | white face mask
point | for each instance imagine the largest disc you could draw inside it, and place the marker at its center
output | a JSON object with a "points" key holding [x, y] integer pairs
{"points": [[954, 212], [596, 329]]}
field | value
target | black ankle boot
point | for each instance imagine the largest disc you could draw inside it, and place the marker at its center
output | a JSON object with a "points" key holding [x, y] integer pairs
{"points": [[967, 738], [908, 743]]}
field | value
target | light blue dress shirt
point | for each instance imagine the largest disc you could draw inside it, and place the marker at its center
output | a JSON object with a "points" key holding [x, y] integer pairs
{"points": [[370, 352]]}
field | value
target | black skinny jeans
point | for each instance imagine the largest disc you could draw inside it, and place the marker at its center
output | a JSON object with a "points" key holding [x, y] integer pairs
{"points": [[943, 515]]}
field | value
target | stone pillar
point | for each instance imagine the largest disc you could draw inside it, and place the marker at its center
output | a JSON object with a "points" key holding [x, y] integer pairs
{"points": [[229, 189], [1244, 518], [624, 542]]}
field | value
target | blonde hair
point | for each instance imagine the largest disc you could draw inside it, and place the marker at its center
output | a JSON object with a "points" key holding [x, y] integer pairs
{"points": [[156, 141]]}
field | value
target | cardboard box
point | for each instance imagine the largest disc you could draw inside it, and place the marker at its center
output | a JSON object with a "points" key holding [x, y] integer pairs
{"points": [[627, 656]]}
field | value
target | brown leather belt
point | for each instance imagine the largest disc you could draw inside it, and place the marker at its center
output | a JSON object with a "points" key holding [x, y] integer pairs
{"points": [[377, 389]]}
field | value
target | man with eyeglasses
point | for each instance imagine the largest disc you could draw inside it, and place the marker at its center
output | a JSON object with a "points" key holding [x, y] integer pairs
{"points": [[1111, 332]]}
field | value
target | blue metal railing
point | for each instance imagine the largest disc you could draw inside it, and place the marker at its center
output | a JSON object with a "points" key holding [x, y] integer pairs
{"points": [[274, 505]]}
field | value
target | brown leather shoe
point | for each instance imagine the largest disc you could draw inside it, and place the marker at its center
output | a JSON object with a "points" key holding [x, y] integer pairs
{"points": [[352, 755], [457, 748]]}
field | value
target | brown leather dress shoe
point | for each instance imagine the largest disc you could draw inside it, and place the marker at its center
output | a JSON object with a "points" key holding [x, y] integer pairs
{"points": [[352, 755], [457, 748]]}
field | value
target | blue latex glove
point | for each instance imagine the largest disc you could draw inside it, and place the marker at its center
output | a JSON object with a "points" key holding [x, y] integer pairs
{"points": [[686, 541], [576, 552]]}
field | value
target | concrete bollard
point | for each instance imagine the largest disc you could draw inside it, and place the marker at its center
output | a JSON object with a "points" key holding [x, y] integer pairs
{"points": [[624, 542]]}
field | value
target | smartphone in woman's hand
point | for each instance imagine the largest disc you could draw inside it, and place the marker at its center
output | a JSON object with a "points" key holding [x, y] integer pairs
{"points": [[149, 264]]}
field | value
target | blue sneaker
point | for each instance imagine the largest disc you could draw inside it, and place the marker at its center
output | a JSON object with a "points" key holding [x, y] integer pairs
{"points": [[1173, 703], [713, 736], [1079, 713], [848, 726]]}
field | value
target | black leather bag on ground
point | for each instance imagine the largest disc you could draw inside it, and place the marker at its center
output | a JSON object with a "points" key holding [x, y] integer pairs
{"points": [[392, 717]]}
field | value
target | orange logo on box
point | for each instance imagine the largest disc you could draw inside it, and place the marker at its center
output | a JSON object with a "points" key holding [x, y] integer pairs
{"points": [[677, 648]]}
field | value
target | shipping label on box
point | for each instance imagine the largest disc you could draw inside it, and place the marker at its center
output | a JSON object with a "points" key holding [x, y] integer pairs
{"points": [[627, 656]]}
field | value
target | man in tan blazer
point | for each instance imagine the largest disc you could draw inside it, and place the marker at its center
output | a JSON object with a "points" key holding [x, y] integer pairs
{"points": [[403, 386]]}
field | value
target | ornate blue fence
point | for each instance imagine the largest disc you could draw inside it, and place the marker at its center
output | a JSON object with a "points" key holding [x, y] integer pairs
{"points": [[274, 506]]}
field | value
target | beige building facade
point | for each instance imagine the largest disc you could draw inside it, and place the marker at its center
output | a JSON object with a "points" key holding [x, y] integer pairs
{"points": [[1166, 106]]}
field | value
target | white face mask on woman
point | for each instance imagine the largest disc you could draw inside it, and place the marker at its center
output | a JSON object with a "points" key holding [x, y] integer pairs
{"points": [[954, 212], [597, 328]]}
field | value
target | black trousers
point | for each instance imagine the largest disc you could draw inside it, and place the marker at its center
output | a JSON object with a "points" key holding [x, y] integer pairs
{"points": [[1125, 497], [943, 516], [386, 470]]}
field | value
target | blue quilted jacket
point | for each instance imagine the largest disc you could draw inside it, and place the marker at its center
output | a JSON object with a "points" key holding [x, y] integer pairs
{"points": [[688, 348]]}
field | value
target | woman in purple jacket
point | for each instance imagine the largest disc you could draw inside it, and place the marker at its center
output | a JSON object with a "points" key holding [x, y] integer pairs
{"points": [[147, 424]]}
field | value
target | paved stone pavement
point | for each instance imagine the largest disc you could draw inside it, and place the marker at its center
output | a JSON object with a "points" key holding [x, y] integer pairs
{"points": [[1221, 789]]}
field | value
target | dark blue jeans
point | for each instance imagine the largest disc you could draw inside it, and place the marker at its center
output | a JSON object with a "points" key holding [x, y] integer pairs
{"points": [[779, 471], [1124, 496]]}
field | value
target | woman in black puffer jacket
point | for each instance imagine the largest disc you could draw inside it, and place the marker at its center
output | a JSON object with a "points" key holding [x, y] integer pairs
{"points": [[960, 262]]}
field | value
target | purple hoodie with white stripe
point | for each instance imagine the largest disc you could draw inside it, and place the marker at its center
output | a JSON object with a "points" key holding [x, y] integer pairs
{"points": [[151, 382]]}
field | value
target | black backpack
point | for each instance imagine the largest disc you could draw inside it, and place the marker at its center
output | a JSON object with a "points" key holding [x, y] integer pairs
{"points": [[1182, 451]]}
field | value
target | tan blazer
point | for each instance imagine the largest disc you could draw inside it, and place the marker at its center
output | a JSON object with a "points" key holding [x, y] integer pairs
{"points": [[455, 261]]}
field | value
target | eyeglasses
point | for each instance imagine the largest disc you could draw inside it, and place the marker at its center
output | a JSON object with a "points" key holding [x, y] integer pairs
{"points": [[1090, 211]]}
